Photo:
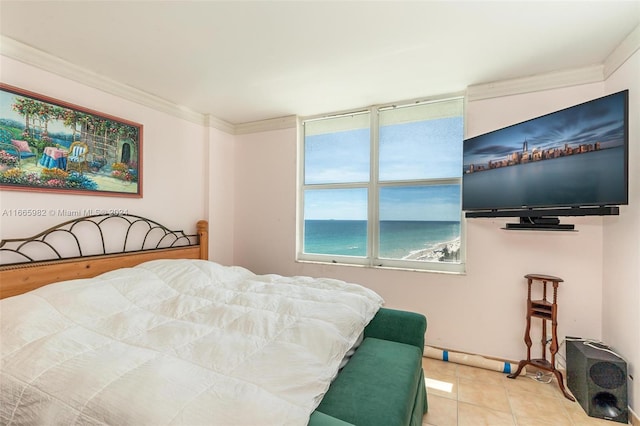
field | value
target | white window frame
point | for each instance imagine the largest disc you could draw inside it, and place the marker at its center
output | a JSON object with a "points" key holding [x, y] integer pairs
{"points": [[373, 187]]}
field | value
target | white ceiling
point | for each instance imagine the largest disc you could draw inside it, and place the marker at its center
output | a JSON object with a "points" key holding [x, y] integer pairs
{"points": [[247, 61]]}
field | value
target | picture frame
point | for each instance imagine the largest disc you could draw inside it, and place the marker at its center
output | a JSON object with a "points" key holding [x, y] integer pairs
{"points": [[48, 145]]}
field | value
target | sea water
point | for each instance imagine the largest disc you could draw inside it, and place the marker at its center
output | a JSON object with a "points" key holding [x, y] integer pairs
{"points": [[398, 239]]}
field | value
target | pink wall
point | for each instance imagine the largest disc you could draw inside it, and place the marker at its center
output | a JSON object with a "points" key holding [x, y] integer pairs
{"points": [[221, 196], [481, 312], [173, 187], [266, 201], [621, 274]]}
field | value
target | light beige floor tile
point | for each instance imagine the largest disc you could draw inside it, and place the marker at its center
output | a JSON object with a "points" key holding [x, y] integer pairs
{"points": [[441, 378], [580, 418], [529, 408], [474, 415], [481, 374], [571, 406], [527, 384], [436, 372], [558, 392], [442, 412], [543, 421], [442, 368], [488, 395], [445, 386]]}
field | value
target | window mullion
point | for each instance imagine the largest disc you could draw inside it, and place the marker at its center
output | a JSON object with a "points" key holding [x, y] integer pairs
{"points": [[374, 211]]}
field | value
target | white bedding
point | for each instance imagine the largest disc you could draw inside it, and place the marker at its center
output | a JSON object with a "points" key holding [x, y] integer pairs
{"points": [[177, 342]]}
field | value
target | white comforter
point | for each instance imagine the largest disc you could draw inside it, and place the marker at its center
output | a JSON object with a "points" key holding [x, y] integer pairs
{"points": [[177, 342]]}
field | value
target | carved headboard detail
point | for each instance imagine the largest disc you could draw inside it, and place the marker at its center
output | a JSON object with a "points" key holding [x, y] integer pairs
{"points": [[90, 245], [93, 235]]}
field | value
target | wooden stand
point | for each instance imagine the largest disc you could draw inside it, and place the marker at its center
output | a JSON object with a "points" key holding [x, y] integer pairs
{"points": [[544, 310]]}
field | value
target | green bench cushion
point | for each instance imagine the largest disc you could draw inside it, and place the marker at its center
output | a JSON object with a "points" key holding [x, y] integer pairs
{"points": [[379, 386], [399, 326], [321, 419]]}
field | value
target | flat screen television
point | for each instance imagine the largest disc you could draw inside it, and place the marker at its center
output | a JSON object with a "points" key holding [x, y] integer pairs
{"points": [[556, 164]]}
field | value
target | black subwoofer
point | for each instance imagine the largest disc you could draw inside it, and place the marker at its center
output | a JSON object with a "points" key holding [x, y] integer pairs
{"points": [[598, 380]]}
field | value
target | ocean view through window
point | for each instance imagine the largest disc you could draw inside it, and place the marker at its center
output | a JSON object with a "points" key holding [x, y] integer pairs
{"points": [[382, 187]]}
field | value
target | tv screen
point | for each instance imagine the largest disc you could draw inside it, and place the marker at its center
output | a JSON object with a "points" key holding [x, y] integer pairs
{"points": [[570, 158]]}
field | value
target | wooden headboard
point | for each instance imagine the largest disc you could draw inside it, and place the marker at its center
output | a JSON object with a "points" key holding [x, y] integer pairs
{"points": [[24, 265]]}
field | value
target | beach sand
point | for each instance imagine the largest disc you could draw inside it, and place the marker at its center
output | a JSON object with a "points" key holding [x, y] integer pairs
{"points": [[446, 251]]}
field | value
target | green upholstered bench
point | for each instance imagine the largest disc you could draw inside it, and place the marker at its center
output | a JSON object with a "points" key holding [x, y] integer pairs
{"points": [[383, 382]]}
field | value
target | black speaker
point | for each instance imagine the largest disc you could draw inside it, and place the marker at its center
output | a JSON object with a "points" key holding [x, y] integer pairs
{"points": [[598, 380]]}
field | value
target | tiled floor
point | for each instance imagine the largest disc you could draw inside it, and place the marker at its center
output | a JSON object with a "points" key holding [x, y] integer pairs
{"points": [[460, 395]]}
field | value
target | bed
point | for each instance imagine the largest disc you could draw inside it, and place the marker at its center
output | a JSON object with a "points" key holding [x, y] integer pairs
{"points": [[111, 331]]}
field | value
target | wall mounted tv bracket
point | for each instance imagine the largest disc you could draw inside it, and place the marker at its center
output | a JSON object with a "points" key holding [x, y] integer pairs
{"points": [[540, 223], [544, 219]]}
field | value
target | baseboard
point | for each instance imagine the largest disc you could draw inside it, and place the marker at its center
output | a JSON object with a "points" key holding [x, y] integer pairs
{"points": [[635, 420]]}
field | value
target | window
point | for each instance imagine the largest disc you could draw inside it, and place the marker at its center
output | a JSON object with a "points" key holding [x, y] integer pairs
{"points": [[381, 187]]}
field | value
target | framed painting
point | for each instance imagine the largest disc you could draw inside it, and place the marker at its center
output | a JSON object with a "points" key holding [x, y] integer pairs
{"points": [[49, 145]]}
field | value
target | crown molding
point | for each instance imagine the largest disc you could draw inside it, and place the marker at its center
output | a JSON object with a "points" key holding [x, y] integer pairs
{"points": [[45, 61], [536, 83], [624, 51], [219, 124], [288, 122]]}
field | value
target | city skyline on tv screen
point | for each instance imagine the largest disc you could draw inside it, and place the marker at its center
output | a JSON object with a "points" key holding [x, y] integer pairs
{"points": [[599, 121]]}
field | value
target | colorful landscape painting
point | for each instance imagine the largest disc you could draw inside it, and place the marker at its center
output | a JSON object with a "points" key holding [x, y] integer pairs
{"points": [[50, 145]]}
